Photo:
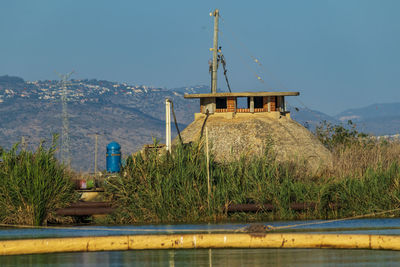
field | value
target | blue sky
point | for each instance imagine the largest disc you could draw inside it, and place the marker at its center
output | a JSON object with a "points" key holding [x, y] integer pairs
{"points": [[339, 54]]}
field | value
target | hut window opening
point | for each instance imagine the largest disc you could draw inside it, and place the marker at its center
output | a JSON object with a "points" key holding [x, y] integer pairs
{"points": [[243, 105], [241, 102], [221, 103], [258, 102]]}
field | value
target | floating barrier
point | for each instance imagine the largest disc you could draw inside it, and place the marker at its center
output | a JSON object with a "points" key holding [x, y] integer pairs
{"points": [[193, 241]]}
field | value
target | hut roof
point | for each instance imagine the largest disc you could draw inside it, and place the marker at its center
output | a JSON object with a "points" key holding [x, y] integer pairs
{"points": [[242, 94]]}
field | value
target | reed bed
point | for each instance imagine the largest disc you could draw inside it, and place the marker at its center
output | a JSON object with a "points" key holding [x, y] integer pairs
{"points": [[32, 186], [365, 154], [156, 187]]}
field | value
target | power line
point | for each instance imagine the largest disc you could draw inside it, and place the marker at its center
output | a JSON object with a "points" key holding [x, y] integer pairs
{"points": [[245, 62], [257, 61], [253, 58]]}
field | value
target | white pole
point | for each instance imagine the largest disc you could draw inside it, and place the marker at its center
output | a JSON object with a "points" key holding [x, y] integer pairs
{"points": [[168, 125]]}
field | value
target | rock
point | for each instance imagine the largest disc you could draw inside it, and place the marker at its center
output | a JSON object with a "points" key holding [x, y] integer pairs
{"points": [[258, 228]]}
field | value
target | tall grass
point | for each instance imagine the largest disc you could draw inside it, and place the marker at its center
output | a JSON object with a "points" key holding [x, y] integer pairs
{"points": [[32, 185], [161, 188], [365, 154], [173, 188], [354, 152]]}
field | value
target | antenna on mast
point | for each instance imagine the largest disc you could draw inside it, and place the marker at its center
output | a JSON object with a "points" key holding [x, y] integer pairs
{"points": [[215, 52], [65, 149]]}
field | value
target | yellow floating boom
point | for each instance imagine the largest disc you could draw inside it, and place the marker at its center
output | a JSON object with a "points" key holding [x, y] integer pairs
{"points": [[192, 241]]}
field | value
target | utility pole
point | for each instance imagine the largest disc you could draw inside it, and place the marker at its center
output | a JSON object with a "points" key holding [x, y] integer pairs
{"points": [[215, 52], [95, 157], [96, 137], [65, 149], [23, 143]]}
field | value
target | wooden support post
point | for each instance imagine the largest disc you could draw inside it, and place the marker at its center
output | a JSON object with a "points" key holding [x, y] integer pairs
{"points": [[269, 104], [208, 169], [284, 104], [278, 103], [23, 143]]}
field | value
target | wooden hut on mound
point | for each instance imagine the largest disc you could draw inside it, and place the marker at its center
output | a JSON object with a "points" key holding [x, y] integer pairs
{"points": [[272, 103], [236, 131]]}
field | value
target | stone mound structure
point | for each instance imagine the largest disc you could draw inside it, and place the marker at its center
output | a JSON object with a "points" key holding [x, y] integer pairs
{"points": [[248, 134]]}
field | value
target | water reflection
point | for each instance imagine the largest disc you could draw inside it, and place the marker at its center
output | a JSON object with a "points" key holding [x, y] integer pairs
{"points": [[387, 226], [171, 258], [211, 257]]}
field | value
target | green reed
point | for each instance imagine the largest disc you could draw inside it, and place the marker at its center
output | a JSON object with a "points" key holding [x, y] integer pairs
{"points": [[158, 187], [32, 185]]}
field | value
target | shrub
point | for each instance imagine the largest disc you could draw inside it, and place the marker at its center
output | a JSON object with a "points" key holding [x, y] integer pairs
{"points": [[333, 135]]}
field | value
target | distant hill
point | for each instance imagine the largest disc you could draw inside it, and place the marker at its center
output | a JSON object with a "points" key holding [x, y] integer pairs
{"points": [[129, 114], [310, 118], [378, 119], [12, 82]]}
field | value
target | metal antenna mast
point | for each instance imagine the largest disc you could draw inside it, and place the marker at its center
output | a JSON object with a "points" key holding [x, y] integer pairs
{"points": [[65, 151]]}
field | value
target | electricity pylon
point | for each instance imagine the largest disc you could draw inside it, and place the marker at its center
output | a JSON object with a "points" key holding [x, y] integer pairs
{"points": [[65, 149]]}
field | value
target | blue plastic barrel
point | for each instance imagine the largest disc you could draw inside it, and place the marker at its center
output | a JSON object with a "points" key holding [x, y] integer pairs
{"points": [[113, 157]]}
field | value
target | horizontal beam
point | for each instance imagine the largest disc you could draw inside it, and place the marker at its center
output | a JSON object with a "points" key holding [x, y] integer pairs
{"points": [[242, 94]]}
